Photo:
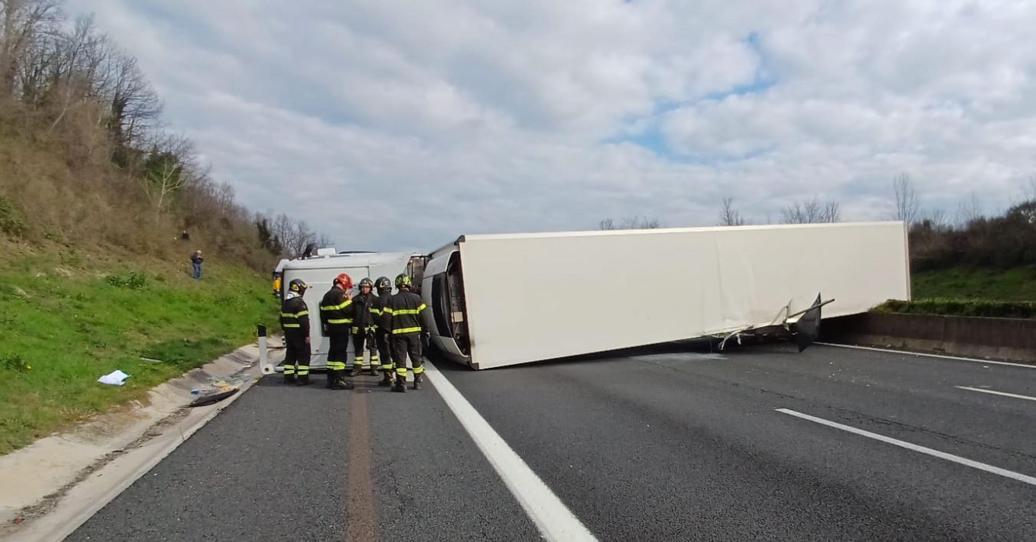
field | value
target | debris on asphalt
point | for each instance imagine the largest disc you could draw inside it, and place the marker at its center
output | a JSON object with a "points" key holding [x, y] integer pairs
{"points": [[115, 378]]}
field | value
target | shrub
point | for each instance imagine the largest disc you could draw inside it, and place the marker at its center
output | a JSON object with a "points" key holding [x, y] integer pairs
{"points": [[11, 220], [133, 281], [14, 363], [961, 307]]}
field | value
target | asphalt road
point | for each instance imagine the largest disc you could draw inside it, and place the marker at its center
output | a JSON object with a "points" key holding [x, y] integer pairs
{"points": [[665, 445]]}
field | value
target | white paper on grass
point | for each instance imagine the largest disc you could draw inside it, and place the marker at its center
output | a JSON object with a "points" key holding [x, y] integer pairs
{"points": [[116, 378]]}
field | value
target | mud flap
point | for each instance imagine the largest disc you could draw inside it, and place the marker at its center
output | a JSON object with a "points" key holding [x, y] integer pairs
{"points": [[807, 328]]}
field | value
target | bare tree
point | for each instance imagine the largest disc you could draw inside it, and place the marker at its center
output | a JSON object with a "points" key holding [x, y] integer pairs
{"points": [[21, 22], [811, 212], [168, 169], [831, 212], [134, 106], [969, 210], [631, 223], [75, 72], [908, 205], [936, 219], [293, 236], [728, 215]]}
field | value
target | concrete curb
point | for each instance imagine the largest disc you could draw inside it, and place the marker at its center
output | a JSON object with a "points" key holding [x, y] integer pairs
{"points": [[1004, 339], [56, 508]]}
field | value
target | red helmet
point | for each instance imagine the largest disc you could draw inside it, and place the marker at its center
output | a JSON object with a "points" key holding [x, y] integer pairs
{"points": [[344, 280]]}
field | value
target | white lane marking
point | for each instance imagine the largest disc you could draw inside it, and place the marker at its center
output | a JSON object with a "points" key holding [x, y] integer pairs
{"points": [[914, 447], [554, 520], [994, 392], [926, 355]]}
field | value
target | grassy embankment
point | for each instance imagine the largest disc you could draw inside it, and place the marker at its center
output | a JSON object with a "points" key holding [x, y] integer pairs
{"points": [[67, 318], [961, 291]]}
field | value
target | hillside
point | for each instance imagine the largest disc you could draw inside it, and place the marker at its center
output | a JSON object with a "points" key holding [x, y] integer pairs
{"points": [[70, 316]]}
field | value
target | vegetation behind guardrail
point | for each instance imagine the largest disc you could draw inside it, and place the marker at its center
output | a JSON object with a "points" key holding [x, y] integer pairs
{"points": [[961, 307]]}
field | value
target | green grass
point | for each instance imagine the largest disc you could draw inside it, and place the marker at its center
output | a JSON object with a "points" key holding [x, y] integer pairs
{"points": [[67, 319], [962, 307], [966, 291], [1017, 284]]}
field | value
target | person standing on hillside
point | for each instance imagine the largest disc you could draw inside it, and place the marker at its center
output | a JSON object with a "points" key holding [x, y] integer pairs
{"points": [[196, 261]]}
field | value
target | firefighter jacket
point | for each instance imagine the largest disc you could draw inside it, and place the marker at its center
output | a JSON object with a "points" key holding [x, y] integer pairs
{"points": [[403, 313], [336, 312], [378, 310], [364, 317], [295, 317]]}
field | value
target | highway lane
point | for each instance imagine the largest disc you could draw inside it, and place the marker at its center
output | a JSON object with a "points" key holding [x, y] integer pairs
{"points": [[665, 444], [281, 464], [683, 445]]}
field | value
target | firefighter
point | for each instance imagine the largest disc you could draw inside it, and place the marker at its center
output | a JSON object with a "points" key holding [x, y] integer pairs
{"points": [[336, 320], [381, 334], [403, 318], [295, 323], [363, 330]]}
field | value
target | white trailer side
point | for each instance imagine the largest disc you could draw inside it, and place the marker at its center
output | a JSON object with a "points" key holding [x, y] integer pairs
{"points": [[501, 300], [320, 272]]}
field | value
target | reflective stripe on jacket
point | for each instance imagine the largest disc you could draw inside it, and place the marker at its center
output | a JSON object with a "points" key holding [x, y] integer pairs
{"points": [[295, 316], [335, 311], [402, 313]]}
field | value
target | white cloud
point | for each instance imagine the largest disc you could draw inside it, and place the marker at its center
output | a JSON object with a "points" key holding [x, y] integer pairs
{"points": [[393, 124]]}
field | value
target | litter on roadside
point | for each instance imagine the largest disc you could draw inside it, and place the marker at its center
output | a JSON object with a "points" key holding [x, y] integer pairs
{"points": [[213, 397], [115, 378]]}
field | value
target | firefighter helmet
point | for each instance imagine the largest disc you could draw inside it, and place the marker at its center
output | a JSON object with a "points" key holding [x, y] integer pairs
{"points": [[402, 280], [297, 285], [366, 282], [383, 284], [344, 280]]}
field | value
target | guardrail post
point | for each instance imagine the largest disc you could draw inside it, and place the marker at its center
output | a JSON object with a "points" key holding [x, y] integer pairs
{"points": [[264, 353]]}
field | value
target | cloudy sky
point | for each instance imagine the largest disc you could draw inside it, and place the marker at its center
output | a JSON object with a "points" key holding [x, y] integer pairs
{"points": [[401, 124]]}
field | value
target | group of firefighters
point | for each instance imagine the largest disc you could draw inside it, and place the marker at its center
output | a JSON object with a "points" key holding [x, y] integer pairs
{"points": [[388, 326]]}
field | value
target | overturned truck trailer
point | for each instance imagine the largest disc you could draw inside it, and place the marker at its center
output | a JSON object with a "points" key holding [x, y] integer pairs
{"points": [[499, 300]]}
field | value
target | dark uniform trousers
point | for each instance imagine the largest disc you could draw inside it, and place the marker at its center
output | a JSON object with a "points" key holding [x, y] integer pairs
{"points": [[384, 341], [403, 345], [337, 355], [361, 342], [296, 352]]}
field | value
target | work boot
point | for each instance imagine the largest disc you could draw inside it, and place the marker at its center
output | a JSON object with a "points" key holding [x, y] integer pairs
{"points": [[289, 379], [386, 379], [400, 385], [331, 379], [417, 381], [303, 380], [347, 384], [353, 372]]}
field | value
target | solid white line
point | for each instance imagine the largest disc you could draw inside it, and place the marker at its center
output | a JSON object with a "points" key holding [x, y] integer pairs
{"points": [[926, 355], [554, 520], [993, 392], [914, 447]]}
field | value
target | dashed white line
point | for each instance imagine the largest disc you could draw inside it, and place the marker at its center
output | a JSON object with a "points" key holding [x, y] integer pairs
{"points": [[914, 447], [994, 392], [926, 355], [554, 520]]}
